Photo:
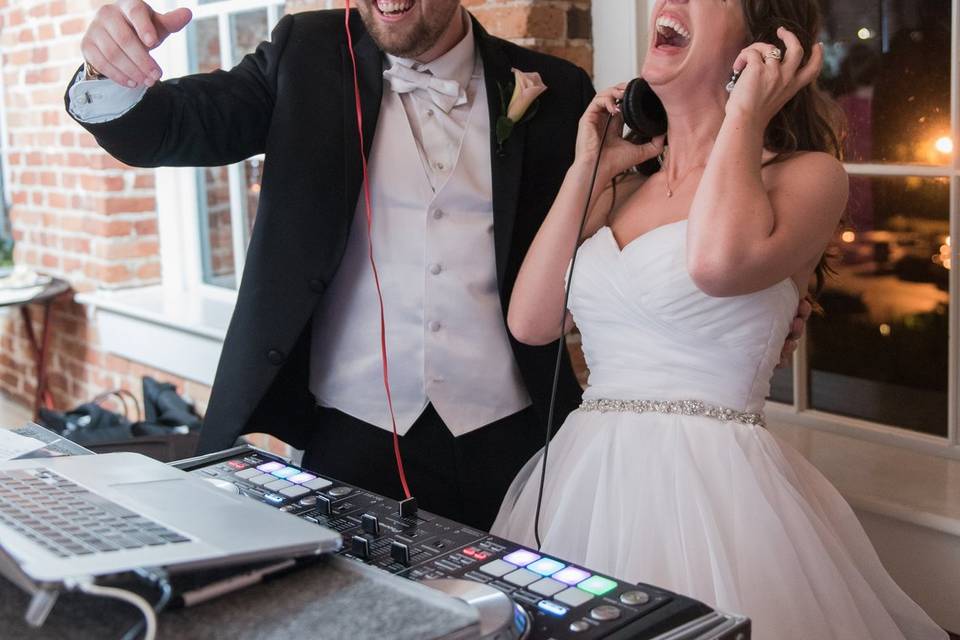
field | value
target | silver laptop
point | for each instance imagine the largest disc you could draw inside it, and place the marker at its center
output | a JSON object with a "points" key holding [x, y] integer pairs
{"points": [[103, 514]]}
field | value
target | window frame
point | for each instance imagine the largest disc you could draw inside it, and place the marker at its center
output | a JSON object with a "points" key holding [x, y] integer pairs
{"points": [[631, 30], [177, 190]]}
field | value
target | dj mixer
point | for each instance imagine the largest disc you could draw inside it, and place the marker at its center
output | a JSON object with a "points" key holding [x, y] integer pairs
{"points": [[548, 597]]}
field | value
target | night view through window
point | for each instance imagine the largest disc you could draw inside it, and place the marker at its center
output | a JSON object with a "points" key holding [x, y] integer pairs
{"points": [[880, 349]]}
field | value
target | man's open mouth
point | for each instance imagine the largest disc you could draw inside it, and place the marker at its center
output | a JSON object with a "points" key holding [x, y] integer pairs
{"points": [[671, 33], [393, 8]]}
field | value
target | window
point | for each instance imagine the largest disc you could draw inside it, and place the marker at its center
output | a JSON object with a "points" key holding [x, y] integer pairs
{"points": [[220, 35], [882, 352], [882, 362]]}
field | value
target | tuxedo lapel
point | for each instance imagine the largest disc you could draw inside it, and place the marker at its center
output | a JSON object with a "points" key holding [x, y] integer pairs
{"points": [[506, 162], [370, 78]]}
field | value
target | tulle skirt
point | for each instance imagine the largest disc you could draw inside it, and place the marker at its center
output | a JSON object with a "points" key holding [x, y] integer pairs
{"points": [[720, 512]]}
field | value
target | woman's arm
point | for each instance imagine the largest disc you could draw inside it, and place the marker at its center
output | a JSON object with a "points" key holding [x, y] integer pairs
{"points": [[745, 235], [537, 299]]}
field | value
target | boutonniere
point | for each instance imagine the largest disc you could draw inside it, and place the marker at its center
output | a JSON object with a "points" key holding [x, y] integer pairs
{"points": [[524, 90]]}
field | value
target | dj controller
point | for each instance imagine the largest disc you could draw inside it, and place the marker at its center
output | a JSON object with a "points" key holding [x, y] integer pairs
{"points": [[547, 598]]}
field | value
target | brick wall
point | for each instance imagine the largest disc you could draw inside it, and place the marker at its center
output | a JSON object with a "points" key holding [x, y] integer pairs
{"points": [[79, 214]]}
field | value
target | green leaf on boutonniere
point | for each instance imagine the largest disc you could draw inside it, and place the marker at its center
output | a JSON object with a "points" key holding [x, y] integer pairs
{"points": [[506, 92], [504, 128]]}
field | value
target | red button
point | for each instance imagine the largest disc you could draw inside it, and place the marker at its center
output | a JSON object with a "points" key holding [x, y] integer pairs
{"points": [[470, 551], [237, 464], [481, 555]]}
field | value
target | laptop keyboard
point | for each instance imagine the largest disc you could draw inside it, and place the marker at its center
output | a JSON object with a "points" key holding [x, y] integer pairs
{"points": [[68, 520]]}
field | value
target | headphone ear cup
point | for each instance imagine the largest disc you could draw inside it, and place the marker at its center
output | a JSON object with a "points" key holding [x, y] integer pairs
{"points": [[642, 110]]}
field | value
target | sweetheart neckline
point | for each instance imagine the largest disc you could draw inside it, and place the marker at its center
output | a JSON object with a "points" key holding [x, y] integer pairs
{"points": [[621, 250]]}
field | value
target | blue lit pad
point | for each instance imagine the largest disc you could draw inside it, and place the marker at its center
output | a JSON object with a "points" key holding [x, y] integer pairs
{"points": [[270, 467], [571, 575], [552, 608], [274, 498], [521, 558], [285, 472], [302, 477], [546, 566]]}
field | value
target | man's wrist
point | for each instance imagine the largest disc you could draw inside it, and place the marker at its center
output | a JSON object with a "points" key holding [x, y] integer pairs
{"points": [[90, 72]]}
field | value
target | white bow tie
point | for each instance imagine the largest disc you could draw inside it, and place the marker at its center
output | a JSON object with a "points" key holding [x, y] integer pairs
{"points": [[446, 94]]}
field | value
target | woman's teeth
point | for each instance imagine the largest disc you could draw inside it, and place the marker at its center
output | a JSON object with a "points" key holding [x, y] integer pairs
{"points": [[672, 31], [392, 7]]}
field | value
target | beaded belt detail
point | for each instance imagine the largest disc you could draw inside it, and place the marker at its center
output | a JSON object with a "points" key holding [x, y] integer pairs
{"points": [[682, 407]]}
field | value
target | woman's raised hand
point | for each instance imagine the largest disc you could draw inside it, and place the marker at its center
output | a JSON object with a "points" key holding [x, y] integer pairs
{"points": [[618, 154], [767, 82]]}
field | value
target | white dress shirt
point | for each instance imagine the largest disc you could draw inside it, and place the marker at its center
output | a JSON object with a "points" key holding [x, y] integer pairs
{"points": [[447, 344]]}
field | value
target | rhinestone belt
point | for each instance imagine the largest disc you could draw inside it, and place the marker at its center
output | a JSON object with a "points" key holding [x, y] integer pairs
{"points": [[682, 407]]}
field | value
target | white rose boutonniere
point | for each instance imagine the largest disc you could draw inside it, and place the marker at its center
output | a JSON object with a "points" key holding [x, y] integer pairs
{"points": [[524, 91]]}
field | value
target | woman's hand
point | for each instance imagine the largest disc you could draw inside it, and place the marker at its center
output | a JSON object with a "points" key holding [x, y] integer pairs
{"points": [[618, 153], [767, 83]]}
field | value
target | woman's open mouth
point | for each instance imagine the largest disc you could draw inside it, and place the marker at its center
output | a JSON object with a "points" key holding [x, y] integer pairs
{"points": [[393, 9], [671, 33]]}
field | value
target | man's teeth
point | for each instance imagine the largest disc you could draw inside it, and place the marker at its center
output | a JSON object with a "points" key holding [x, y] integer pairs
{"points": [[389, 7], [679, 29]]}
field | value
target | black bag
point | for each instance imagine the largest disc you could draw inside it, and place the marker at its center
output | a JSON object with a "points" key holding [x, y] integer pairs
{"points": [[167, 430]]}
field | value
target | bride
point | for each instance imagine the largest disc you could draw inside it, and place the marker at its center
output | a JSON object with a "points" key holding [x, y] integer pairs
{"points": [[683, 291]]}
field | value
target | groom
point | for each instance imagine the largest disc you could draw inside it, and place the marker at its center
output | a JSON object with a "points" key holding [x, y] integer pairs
{"points": [[454, 208], [454, 211]]}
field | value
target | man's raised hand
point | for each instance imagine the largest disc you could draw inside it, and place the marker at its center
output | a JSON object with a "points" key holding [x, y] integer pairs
{"points": [[118, 41]]}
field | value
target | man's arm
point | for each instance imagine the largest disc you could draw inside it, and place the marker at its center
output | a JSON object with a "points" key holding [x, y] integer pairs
{"points": [[200, 120]]}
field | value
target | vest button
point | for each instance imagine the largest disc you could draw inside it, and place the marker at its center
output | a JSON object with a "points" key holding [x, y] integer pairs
{"points": [[435, 269], [437, 214], [434, 326], [316, 285], [275, 356]]}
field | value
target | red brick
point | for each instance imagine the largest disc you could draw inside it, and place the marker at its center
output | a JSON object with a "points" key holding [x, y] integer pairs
{"points": [[74, 25]]}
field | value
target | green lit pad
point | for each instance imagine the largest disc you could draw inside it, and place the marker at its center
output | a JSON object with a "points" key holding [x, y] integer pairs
{"points": [[597, 585]]}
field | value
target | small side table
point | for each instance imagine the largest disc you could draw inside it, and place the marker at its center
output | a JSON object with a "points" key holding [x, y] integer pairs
{"points": [[51, 291]]}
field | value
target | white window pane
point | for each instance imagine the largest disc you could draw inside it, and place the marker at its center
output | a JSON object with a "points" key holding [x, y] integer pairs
{"points": [[247, 30], [216, 227], [252, 170], [204, 45]]}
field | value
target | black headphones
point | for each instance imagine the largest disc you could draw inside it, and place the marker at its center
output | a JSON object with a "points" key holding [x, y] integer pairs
{"points": [[642, 110]]}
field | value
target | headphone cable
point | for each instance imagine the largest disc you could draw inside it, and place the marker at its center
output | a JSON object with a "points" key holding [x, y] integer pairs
{"points": [[561, 344]]}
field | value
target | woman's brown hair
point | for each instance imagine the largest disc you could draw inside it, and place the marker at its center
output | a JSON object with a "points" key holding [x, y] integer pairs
{"points": [[810, 121]]}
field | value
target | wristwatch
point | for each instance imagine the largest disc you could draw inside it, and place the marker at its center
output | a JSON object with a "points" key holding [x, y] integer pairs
{"points": [[90, 72]]}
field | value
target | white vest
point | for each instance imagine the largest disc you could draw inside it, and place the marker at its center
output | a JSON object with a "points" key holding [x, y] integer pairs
{"points": [[446, 338]]}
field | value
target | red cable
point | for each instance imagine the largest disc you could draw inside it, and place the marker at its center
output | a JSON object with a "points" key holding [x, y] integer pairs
{"points": [[373, 264]]}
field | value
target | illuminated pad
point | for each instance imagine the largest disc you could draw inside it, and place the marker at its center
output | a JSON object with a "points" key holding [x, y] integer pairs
{"points": [[286, 472], [552, 608], [521, 558], [546, 566], [302, 477], [571, 575], [270, 467], [597, 585]]}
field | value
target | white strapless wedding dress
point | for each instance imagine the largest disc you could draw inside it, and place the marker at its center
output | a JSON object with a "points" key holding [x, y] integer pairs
{"points": [[719, 510]]}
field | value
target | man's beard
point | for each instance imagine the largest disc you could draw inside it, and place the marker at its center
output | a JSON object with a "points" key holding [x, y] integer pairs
{"points": [[418, 38]]}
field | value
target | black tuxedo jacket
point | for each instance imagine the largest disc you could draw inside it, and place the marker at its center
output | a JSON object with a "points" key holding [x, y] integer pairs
{"points": [[293, 100]]}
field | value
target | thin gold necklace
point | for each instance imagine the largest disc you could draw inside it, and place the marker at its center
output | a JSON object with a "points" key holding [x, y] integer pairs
{"points": [[662, 159]]}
